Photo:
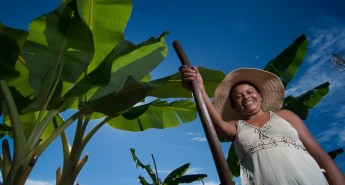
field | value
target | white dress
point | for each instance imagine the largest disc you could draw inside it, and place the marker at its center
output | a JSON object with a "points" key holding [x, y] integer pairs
{"points": [[274, 155]]}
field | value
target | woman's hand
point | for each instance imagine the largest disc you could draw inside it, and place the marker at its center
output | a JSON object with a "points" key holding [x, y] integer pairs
{"points": [[188, 75]]}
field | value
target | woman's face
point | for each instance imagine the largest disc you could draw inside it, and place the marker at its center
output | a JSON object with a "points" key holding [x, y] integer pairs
{"points": [[246, 99]]}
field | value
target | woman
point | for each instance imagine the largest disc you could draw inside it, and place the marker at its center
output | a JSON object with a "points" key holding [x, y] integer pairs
{"points": [[274, 146]]}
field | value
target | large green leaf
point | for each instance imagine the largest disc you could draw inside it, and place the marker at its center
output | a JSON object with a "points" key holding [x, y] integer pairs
{"points": [[18, 35], [21, 83], [61, 39], [19, 86], [62, 46], [157, 114], [162, 87], [9, 53], [105, 84], [306, 101], [131, 93], [286, 64], [101, 75], [107, 20], [137, 63]]}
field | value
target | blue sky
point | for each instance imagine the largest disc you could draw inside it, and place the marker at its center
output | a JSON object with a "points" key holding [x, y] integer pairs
{"points": [[222, 35]]}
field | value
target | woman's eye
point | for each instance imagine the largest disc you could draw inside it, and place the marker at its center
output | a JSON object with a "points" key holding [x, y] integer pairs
{"points": [[250, 92]]}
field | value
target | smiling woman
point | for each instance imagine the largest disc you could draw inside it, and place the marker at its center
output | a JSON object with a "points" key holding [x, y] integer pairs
{"points": [[273, 145], [220, 35]]}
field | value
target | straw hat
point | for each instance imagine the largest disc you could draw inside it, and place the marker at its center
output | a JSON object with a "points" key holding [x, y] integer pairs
{"points": [[269, 85]]}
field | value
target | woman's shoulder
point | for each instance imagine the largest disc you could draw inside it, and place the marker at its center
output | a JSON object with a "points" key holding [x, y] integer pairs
{"points": [[233, 123]]}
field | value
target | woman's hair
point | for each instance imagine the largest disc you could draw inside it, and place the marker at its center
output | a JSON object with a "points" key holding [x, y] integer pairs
{"points": [[237, 84]]}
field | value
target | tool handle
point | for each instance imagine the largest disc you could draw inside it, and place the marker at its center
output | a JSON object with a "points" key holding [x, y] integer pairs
{"points": [[211, 136]]}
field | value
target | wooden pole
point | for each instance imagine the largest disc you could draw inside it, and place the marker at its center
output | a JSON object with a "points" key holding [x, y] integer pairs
{"points": [[217, 153]]}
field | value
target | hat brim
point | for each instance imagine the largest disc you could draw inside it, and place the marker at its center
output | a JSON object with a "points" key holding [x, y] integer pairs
{"points": [[269, 85]]}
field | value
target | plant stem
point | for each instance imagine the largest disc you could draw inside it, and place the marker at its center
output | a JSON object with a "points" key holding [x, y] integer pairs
{"points": [[154, 163], [20, 143]]}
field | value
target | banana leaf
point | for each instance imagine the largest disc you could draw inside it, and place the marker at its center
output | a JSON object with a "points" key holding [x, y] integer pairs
{"points": [[306, 101], [157, 114], [9, 53], [286, 64], [19, 36], [334, 153], [162, 87], [107, 20], [190, 178], [175, 174], [141, 165], [233, 161], [62, 46]]}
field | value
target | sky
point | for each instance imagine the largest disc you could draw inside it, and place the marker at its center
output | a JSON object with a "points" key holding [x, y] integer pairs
{"points": [[221, 35]]}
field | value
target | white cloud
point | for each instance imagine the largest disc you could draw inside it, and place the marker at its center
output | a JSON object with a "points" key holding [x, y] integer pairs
{"points": [[193, 134], [341, 112], [198, 136], [39, 182], [322, 44], [200, 139], [335, 133], [194, 171], [164, 171]]}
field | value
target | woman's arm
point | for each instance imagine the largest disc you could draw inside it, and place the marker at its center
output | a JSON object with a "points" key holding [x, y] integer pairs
{"points": [[227, 130], [333, 174]]}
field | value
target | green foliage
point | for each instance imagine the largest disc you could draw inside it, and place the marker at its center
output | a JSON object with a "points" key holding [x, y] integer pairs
{"points": [[335, 153], [304, 102], [10, 50], [175, 177], [75, 58], [286, 64]]}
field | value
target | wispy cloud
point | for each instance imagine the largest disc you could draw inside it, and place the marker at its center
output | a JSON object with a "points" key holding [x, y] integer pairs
{"points": [[341, 112], [39, 182], [193, 134], [164, 171], [200, 139], [322, 44], [335, 133], [197, 136], [194, 171]]}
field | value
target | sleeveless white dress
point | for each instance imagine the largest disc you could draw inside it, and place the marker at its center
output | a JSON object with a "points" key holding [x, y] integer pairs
{"points": [[274, 155]]}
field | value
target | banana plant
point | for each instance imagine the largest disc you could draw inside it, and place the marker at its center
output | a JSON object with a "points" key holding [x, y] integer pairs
{"points": [[175, 177], [76, 59]]}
